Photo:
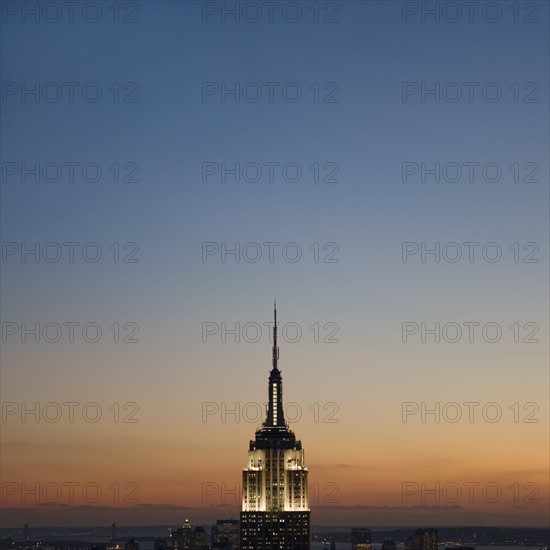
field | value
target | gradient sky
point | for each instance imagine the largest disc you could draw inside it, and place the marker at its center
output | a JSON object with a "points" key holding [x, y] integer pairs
{"points": [[362, 460]]}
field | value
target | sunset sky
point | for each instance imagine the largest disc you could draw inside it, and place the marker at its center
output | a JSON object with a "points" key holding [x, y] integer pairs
{"points": [[180, 452]]}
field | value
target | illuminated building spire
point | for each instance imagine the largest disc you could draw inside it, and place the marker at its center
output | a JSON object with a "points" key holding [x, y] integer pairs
{"points": [[275, 346], [275, 415]]}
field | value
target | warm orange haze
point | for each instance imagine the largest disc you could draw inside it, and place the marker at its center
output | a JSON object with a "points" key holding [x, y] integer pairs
{"points": [[374, 457]]}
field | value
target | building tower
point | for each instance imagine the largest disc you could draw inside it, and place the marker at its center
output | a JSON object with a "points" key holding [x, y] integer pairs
{"points": [[275, 511], [423, 539], [226, 535], [182, 538], [361, 538]]}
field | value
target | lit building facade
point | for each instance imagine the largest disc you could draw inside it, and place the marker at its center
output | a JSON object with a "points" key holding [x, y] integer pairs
{"points": [[360, 538], [182, 538], [275, 512], [423, 539], [226, 535]]}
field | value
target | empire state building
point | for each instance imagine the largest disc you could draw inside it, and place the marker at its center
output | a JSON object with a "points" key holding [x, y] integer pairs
{"points": [[275, 511]]}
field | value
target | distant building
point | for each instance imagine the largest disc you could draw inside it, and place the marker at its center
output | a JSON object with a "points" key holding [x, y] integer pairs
{"points": [[187, 538], [423, 539], [388, 544], [182, 537], [161, 544], [226, 535], [199, 539], [132, 544], [361, 538]]}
